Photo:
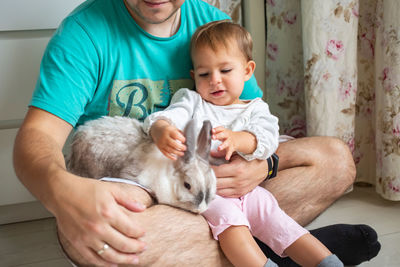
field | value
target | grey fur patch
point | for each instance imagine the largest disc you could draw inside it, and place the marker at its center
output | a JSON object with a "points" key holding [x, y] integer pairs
{"points": [[204, 140], [190, 136]]}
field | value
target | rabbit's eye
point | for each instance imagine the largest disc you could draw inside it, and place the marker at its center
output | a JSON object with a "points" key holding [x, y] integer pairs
{"points": [[187, 185]]}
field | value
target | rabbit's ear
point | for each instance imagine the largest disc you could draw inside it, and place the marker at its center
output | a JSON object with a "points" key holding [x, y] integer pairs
{"points": [[204, 140], [190, 135]]}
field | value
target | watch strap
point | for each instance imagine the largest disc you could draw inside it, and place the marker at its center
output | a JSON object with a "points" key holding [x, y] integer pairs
{"points": [[273, 162]]}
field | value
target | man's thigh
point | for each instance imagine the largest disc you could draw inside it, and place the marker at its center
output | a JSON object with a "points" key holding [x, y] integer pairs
{"points": [[316, 150]]}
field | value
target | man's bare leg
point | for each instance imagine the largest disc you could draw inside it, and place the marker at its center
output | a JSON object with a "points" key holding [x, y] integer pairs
{"points": [[175, 238], [313, 173]]}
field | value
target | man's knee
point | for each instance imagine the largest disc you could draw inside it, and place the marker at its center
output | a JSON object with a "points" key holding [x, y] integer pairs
{"points": [[341, 161]]}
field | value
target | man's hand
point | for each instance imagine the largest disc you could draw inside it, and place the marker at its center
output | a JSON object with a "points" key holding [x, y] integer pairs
{"points": [[238, 177], [97, 213], [169, 139]]}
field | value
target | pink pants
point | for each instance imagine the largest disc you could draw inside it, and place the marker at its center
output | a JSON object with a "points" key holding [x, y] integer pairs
{"points": [[260, 212]]}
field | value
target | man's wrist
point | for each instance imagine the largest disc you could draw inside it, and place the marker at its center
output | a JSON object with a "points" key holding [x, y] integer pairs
{"points": [[59, 191]]}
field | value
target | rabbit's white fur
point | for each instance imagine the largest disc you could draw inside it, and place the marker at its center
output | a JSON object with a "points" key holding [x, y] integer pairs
{"points": [[117, 147]]}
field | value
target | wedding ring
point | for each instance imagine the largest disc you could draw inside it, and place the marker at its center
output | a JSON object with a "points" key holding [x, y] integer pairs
{"points": [[103, 249]]}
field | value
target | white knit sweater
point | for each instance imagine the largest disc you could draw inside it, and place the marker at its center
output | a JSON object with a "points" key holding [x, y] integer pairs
{"points": [[253, 116]]}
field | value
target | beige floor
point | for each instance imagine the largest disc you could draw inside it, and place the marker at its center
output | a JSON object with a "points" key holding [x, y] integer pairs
{"points": [[34, 243]]}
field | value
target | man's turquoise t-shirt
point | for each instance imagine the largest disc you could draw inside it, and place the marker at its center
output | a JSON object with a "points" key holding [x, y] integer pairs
{"points": [[100, 62]]}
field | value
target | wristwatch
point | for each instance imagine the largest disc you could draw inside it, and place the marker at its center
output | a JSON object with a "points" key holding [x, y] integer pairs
{"points": [[272, 166]]}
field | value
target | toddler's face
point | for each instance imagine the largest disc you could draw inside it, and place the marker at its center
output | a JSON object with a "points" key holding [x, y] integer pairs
{"points": [[220, 75]]}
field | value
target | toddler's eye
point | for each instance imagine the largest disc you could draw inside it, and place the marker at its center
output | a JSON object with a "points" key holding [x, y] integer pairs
{"points": [[203, 74], [187, 185], [226, 70]]}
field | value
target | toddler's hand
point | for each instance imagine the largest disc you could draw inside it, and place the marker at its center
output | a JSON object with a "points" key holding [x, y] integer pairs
{"points": [[227, 137], [169, 140]]}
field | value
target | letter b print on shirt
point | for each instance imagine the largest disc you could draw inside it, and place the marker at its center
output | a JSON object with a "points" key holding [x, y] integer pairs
{"points": [[139, 98]]}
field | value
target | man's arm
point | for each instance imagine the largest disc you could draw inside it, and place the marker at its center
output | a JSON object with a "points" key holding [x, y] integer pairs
{"points": [[88, 212]]}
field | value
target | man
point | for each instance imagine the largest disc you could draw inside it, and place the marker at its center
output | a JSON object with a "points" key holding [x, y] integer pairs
{"points": [[126, 58]]}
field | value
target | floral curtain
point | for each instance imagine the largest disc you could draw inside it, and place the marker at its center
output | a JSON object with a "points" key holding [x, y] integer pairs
{"points": [[333, 68]]}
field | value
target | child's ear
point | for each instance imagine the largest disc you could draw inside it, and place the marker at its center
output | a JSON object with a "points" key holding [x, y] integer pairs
{"points": [[249, 70], [192, 74]]}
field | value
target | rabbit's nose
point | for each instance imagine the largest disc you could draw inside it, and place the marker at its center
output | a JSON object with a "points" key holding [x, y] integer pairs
{"points": [[199, 198]]}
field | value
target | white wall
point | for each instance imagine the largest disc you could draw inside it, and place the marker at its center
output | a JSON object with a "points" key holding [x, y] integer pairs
{"points": [[25, 28]]}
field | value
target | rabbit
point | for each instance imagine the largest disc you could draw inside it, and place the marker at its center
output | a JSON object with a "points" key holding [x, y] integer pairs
{"points": [[118, 147]]}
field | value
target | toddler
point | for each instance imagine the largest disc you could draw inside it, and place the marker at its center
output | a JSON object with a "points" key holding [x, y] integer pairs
{"points": [[221, 52]]}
